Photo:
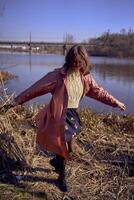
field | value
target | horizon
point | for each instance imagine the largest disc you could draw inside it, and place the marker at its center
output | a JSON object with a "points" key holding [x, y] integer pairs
{"points": [[61, 41]]}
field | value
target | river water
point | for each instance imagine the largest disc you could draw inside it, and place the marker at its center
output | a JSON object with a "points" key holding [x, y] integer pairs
{"points": [[113, 74]]}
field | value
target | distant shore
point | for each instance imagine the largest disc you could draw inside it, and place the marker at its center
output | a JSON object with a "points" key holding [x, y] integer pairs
{"points": [[60, 52], [109, 44]]}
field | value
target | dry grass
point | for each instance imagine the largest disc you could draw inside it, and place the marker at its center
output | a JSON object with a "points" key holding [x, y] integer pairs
{"points": [[4, 76], [103, 164]]}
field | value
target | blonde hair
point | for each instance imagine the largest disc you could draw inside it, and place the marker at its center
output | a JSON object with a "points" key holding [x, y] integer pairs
{"points": [[75, 52]]}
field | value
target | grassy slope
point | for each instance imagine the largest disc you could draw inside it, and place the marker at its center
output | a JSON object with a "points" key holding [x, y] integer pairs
{"points": [[96, 172]]}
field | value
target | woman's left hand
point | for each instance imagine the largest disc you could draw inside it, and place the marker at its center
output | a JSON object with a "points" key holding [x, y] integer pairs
{"points": [[121, 105]]}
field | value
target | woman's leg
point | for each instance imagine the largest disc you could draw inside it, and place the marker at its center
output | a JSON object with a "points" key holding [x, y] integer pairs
{"points": [[70, 146], [59, 163], [62, 174], [55, 163]]}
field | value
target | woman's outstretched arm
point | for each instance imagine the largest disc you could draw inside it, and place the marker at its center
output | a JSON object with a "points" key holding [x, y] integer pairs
{"points": [[43, 86], [97, 92]]}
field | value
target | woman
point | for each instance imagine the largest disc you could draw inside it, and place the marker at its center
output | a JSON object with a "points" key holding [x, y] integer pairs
{"points": [[58, 122]]}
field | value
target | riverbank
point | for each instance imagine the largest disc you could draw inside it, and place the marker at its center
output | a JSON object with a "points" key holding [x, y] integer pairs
{"points": [[5, 75], [102, 166]]}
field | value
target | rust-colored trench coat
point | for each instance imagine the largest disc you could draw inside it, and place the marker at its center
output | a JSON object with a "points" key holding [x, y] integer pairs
{"points": [[50, 120]]}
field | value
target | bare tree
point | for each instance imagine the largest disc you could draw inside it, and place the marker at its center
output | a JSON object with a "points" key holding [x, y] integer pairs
{"points": [[69, 38]]}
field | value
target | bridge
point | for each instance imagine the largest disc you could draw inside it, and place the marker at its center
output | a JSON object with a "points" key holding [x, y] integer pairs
{"points": [[45, 47], [27, 43]]}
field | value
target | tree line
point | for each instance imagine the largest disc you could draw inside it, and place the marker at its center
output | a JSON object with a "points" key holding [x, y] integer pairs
{"points": [[113, 44]]}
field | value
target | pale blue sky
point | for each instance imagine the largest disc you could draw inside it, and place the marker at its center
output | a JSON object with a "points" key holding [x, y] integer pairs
{"points": [[50, 20]]}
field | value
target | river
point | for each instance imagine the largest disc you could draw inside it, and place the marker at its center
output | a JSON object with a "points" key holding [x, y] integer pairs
{"points": [[114, 74]]}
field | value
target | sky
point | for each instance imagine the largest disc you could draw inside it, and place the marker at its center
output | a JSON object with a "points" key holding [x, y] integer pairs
{"points": [[52, 20]]}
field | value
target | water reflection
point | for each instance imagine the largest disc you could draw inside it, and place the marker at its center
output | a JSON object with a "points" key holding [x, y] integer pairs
{"points": [[115, 75], [124, 73]]}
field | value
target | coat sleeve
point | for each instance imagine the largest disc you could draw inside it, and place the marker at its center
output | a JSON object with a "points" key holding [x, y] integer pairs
{"points": [[44, 85], [97, 92]]}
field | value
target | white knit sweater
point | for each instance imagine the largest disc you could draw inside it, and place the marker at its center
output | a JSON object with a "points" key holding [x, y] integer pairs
{"points": [[74, 89]]}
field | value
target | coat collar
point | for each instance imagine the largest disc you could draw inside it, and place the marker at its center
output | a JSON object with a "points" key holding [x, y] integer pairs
{"points": [[63, 70], [84, 78]]}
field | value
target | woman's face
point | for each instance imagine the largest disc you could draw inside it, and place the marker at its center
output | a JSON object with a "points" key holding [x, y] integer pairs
{"points": [[77, 63]]}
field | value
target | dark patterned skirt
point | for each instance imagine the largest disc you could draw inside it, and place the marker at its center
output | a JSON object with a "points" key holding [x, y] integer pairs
{"points": [[73, 124]]}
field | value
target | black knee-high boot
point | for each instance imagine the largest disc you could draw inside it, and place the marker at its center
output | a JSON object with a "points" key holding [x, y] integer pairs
{"points": [[55, 163], [70, 146], [62, 175]]}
